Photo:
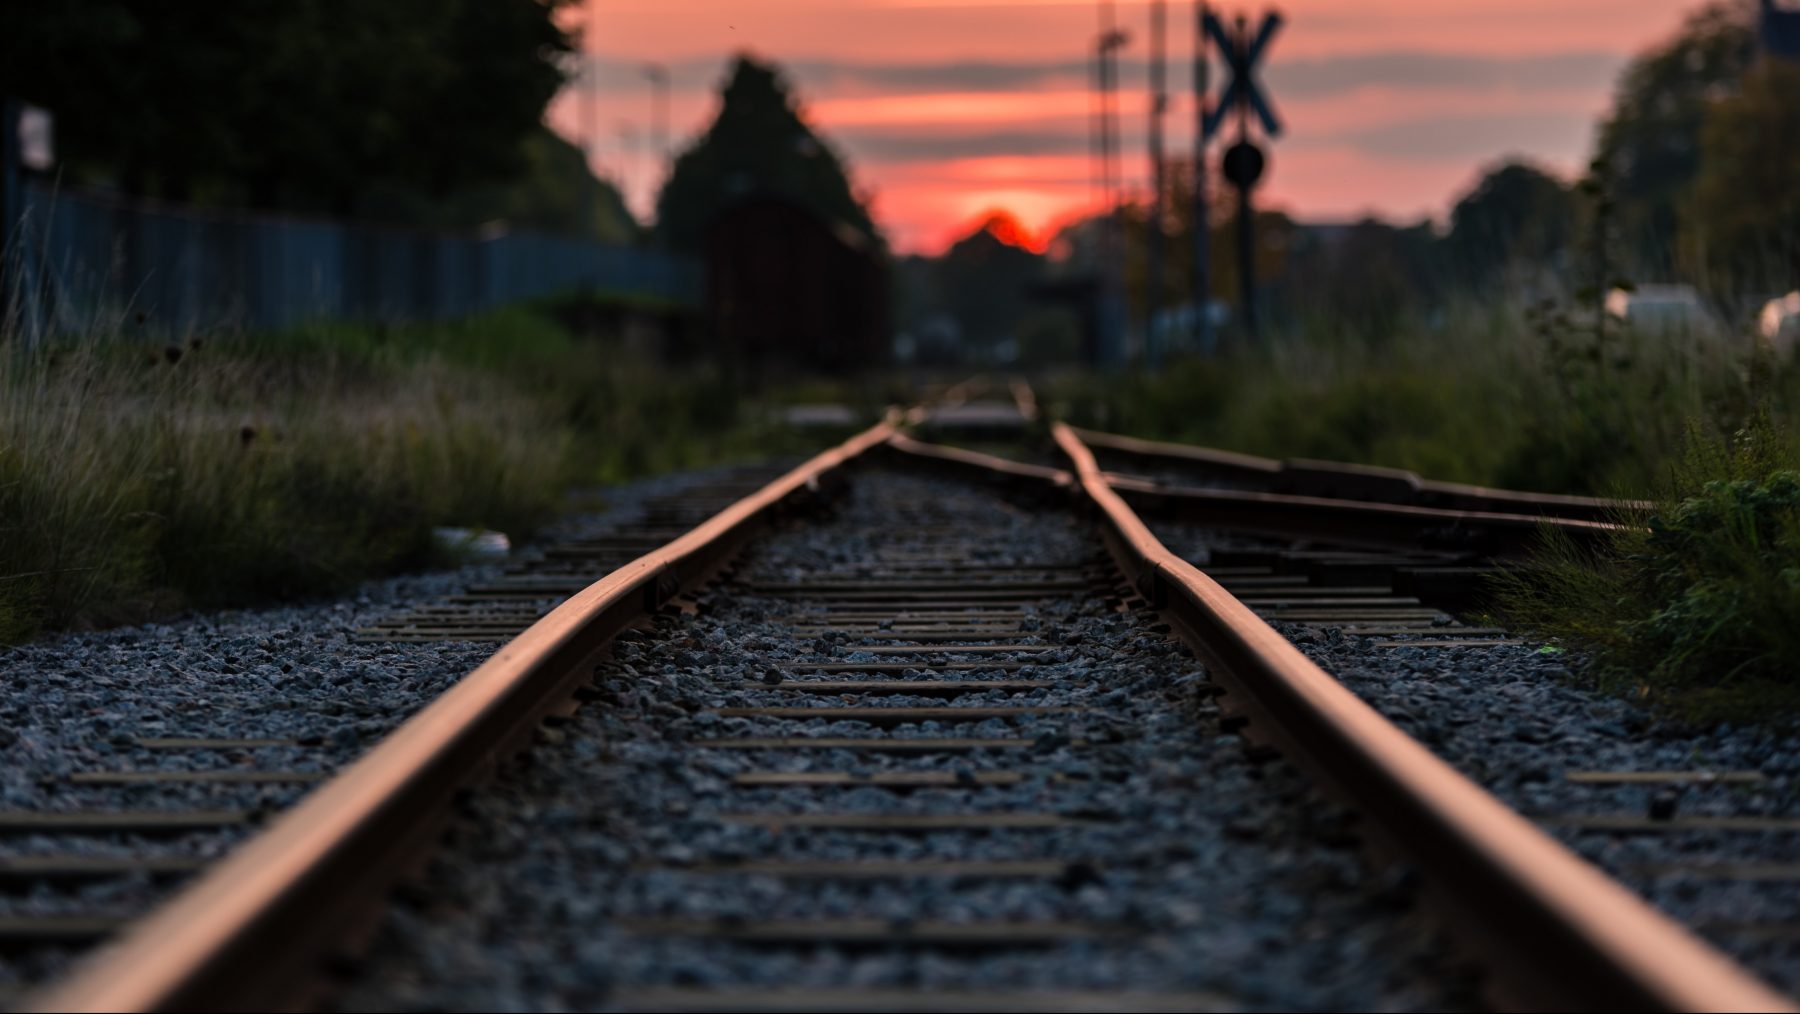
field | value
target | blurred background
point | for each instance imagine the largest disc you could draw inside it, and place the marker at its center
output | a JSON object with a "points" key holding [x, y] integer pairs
{"points": [[461, 257]]}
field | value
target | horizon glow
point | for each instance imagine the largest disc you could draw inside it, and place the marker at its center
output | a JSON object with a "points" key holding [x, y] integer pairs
{"points": [[948, 110]]}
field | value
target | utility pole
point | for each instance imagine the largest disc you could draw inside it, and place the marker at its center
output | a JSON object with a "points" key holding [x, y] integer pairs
{"points": [[589, 80], [1159, 101], [27, 142], [591, 66], [1112, 245], [628, 137], [1202, 225], [658, 76], [12, 208]]}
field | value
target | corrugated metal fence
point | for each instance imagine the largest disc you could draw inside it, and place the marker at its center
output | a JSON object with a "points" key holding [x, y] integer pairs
{"points": [[82, 261]]}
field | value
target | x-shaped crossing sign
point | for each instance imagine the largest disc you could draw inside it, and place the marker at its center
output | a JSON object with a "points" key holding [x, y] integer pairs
{"points": [[1242, 53]]}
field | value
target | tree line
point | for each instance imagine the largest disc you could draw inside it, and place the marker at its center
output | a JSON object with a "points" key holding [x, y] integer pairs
{"points": [[420, 111], [1693, 180]]}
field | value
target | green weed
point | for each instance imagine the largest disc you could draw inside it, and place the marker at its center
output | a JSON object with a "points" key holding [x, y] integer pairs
{"points": [[1484, 394], [1694, 611], [136, 480]]}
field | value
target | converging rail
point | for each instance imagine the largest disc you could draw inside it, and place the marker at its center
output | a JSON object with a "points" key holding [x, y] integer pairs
{"points": [[1569, 937], [1342, 481], [245, 934], [918, 616]]}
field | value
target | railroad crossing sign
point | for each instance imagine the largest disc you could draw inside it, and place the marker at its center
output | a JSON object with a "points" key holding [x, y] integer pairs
{"points": [[1242, 53]]}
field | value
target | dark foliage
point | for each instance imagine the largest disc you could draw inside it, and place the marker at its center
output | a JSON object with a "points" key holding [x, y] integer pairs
{"points": [[297, 104], [1517, 214], [759, 146], [1652, 139]]}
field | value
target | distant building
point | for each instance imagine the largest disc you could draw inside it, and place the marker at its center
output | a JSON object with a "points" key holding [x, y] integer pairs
{"points": [[1779, 31]]}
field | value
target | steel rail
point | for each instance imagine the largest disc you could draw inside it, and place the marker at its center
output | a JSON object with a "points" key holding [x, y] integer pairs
{"points": [[986, 466], [1349, 522], [1358, 522], [246, 933], [1228, 463], [1559, 933], [1364, 482]]}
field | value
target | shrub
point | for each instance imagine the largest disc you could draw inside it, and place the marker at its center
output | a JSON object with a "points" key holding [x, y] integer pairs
{"points": [[137, 479], [1694, 611]]}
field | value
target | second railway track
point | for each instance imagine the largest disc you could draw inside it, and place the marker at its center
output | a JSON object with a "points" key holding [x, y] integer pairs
{"points": [[938, 749]]}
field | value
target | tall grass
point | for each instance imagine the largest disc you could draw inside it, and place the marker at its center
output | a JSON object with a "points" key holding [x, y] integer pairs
{"points": [[1694, 611], [1484, 393], [138, 478]]}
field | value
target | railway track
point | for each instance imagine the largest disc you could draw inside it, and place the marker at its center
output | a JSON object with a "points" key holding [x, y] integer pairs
{"points": [[1702, 821], [946, 726]]}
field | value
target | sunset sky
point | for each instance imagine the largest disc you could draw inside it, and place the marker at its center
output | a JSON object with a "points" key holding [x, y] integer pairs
{"points": [[946, 109]]}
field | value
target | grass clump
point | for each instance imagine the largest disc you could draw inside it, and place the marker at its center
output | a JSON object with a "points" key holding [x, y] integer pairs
{"points": [[133, 481], [1693, 612], [1486, 393], [139, 477]]}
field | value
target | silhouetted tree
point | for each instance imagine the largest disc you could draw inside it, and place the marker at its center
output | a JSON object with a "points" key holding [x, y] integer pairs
{"points": [[1743, 227], [1358, 281], [1651, 141], [985, 283], [298, 103], [1516, 214], [554, 191], [759, 145]]}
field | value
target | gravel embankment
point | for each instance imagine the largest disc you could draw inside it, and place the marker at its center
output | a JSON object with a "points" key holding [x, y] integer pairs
{"points": [[1516, 719], [1224, 876], [80, 702]]}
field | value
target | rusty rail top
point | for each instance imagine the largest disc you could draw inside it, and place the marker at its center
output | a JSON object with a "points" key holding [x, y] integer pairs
{"points": [[220, 943], [246, 931], [1562, 935]]}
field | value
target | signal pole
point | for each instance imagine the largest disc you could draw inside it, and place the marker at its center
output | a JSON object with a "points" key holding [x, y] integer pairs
{"points": [[1244, 162], [1110, 287], [1246, 181]]}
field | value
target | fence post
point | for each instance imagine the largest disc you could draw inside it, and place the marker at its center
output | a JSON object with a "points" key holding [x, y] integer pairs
{"points": [[12, 209]]}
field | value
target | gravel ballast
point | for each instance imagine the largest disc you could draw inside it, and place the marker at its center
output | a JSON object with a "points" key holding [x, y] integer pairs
{"points": [[1517, 720], [80, 703], [1215, 875]]}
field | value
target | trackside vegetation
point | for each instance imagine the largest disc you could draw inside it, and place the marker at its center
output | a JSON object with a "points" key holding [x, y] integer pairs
{"points": [[139, 477], [1491, 393], [1694, 611]]}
